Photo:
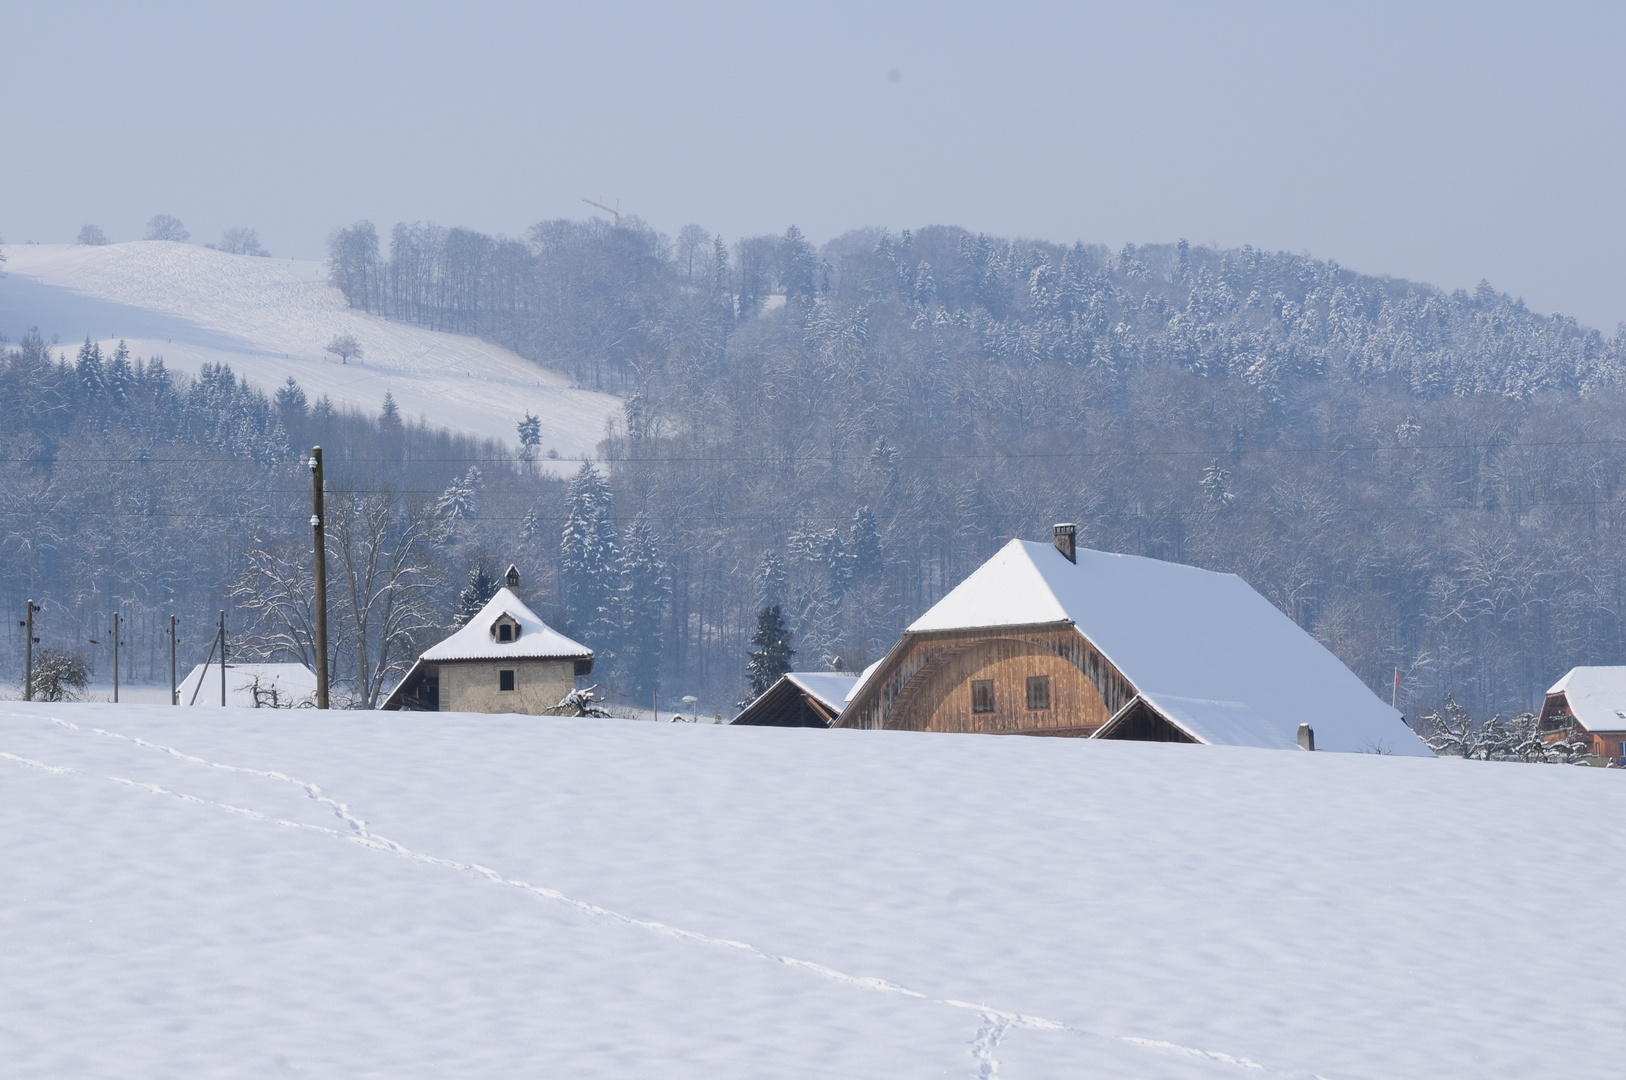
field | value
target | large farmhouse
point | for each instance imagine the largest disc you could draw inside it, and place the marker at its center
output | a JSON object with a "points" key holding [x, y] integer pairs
{"points": [[1048, 640], [1593, 700], [504, 660]]}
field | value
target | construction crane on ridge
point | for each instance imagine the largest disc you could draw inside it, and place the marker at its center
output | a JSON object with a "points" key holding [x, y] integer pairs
{"points": [[614, 212]]}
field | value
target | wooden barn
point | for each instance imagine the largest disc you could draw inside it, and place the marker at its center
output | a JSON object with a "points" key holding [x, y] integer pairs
{"points": [[800, 699], [1593, 700], [504, 660], [1046, 639]]}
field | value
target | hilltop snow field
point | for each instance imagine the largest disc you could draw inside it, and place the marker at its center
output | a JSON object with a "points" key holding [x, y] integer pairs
{"points": [[272, 318], [265, 893]]}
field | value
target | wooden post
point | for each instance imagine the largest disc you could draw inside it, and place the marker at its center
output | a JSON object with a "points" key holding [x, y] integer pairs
{"points": [[28, 653], [115, 657], [222, 659], [319, 548], [174, 694]]}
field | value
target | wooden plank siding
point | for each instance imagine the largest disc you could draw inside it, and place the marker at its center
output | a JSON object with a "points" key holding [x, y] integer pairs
{"points": [[925, 684]]}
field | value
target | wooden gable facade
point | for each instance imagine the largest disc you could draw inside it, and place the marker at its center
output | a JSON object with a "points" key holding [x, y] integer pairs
{"points": [[1044, 679]]}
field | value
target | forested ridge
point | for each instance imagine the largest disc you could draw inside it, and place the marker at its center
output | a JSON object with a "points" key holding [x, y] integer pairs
{"points": [[1425, 481]]}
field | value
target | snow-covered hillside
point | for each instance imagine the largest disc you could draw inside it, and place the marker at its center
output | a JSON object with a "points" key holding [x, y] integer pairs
{"points": [[241, 893], [272, 318]]}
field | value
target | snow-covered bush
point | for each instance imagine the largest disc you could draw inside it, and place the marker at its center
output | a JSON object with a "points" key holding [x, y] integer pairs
{"points": [[580, 703], [59, 675], [1451, 732]]}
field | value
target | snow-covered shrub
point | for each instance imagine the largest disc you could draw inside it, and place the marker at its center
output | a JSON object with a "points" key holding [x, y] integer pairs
{"points": [[59, 675], [1451, 732]]}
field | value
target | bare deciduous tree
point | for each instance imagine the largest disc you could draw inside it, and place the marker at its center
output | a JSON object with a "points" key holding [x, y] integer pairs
{"points": [[241, 241], [383, 561], [345, 347], [167, 227]]}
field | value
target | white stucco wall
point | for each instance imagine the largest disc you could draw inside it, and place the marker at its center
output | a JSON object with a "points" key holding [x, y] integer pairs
{"points": [[538, 685]]}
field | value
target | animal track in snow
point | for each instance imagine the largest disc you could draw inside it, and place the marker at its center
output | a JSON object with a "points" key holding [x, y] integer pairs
{"points": [[996, 1023]]}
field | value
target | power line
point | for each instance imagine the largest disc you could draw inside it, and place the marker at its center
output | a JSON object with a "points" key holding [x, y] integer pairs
{"points": [[978, 455]]}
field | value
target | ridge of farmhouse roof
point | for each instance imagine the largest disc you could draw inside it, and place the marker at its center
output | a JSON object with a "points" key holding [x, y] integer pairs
{"points": [[1203, 649], [532, 639]]}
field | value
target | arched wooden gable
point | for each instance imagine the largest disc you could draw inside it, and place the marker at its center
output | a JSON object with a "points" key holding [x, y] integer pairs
{"points": [[927, 684]]}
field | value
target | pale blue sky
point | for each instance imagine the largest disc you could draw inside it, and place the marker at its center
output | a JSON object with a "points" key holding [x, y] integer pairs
{"points": [[1440, 142]]}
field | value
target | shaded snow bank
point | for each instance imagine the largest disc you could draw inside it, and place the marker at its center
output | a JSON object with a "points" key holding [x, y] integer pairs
{"points": [[227, 892]]}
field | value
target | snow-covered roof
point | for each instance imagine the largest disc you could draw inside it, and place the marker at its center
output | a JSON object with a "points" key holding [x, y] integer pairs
{"points": [[1203, 648], [829, 687], [1596, 696], [293, 683], [477, 641]]}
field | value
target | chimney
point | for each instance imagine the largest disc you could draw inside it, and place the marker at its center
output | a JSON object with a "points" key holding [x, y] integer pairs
{"points": [[512, 577], [1306, 737], [1067, 540]]}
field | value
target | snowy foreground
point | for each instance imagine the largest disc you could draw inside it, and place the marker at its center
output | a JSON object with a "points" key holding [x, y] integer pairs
{"points": [[239, 893], [272, 318]]}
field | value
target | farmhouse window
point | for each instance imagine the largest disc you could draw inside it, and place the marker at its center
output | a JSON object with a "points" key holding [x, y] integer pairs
{"points": [[982, 695], [505, 680], [1038, 691], [505, 632]]}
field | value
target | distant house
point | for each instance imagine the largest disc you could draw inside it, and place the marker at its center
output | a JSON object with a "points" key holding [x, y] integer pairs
{"points": [[255, 686], [1593, 700], [800, 699], [505, 660], [1046, 639]]}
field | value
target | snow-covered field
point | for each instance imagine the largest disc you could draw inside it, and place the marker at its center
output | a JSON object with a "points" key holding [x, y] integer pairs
{"points": [[239, 893], [272, 318]]}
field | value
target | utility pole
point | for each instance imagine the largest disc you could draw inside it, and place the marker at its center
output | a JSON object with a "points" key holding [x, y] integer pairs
{"points": [[115, 657], [28, 652], [174, 696], [222, 659], [319, 546]]}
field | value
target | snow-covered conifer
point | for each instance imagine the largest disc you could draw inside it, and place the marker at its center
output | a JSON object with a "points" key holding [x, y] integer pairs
{"points": [[771, 655], [589, 559], [290, 398], [645, 590], [481, 587]]}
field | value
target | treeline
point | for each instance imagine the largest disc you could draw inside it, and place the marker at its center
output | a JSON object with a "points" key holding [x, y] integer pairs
{"points": [[125, 486], [1428, 482]]}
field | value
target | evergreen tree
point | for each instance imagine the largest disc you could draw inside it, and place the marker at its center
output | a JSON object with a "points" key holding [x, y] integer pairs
{"points": [[481, 588], [864, 546], [456, 504], [90, 373], [645, 591], [771, 657], [1215, 492], [119, 374], [290, 398], [389, 420], [589, 560], [797, 264], [530, 436]]}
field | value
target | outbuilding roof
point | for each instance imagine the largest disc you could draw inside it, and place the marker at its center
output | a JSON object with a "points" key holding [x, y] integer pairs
{"points": [[292, 684], [829, 687], [477, 640], [1204, 649], [1596, 696]]}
